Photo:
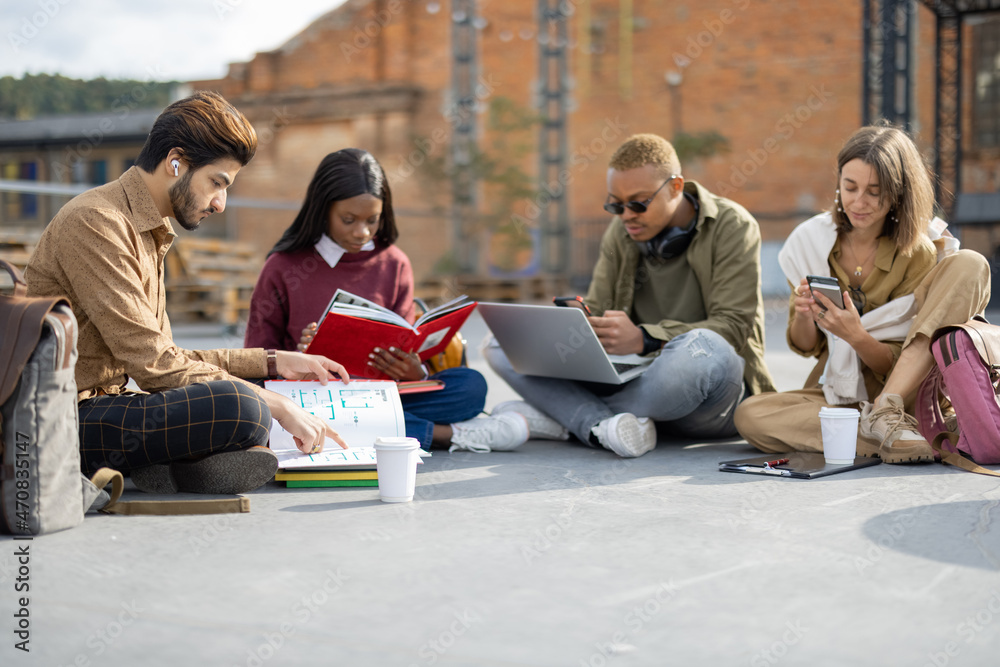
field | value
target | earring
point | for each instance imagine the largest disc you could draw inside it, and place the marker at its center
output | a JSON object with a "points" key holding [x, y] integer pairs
{"points": [[836, 200]]}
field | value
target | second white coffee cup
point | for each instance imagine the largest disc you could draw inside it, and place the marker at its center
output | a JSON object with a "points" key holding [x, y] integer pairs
{"points": [[396, 460], [840, 434]]}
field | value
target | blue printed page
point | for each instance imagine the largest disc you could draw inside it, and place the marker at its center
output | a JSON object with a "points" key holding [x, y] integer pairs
{"points": [[360, 412]]}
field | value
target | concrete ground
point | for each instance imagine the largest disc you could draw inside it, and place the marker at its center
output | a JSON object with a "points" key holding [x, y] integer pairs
{"points": [[554, 554]]}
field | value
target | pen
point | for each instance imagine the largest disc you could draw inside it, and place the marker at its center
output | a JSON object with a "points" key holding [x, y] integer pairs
{"points": [[776, 462], [758, 470]]}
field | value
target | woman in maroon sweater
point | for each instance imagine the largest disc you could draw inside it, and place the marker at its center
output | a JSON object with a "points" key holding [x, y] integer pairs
{"points": [[343, 237]]}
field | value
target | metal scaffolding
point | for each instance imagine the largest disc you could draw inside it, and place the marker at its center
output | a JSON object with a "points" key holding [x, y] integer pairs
{"points": [[887, 31], [464, 73], [948, 112], [553, 219], [887, 76]]}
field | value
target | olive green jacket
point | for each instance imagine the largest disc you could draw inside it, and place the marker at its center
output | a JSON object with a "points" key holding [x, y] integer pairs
{"points": [[725, 257]]}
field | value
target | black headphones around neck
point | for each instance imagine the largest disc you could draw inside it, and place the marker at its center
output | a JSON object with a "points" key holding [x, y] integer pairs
{"points": [[672, 241]]}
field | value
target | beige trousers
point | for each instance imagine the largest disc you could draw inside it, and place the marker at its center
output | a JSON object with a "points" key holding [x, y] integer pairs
{"points": [[957, 288]]}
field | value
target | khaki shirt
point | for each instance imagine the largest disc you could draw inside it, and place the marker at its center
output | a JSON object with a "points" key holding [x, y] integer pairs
{"points": [[894, 276], [104, 251], [724, 256]]}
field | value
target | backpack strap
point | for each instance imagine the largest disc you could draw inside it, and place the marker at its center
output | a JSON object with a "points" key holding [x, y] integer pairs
{"points": [[22, 328], [105, 476], [957, 459]]}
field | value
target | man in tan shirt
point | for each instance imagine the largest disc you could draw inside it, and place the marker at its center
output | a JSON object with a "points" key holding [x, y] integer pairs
{"points": [[201, 428]]}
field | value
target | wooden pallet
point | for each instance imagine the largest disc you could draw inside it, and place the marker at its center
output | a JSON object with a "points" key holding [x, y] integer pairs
{"points": [[486, 288], [16, 246], [210, 279]]}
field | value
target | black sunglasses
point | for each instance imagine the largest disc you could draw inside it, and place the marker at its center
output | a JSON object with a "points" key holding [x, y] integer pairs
{"points": [[617, 208]]}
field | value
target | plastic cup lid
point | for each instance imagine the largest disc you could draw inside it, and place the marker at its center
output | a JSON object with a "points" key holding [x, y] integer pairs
{"points": [[838, 413], [397, 443]]}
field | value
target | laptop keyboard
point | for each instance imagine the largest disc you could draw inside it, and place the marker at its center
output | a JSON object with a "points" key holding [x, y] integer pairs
{"points": [[621, 368]]}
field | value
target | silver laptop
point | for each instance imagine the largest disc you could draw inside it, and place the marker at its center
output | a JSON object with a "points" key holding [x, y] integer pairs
{"points": [[552, 341]]}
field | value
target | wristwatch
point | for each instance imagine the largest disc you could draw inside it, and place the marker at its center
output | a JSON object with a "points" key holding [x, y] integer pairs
{"points": [[649, 344], [272, 364]]}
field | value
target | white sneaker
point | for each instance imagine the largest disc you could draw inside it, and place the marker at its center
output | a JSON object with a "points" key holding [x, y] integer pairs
{"points": [[499, 433], [626, 435], [540, 425]]}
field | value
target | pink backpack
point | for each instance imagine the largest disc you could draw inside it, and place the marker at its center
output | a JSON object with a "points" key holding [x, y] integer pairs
{"points": [[968, 374]]}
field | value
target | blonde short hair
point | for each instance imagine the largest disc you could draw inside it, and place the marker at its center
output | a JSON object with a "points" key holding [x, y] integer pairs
{"points": [[642, 149]]}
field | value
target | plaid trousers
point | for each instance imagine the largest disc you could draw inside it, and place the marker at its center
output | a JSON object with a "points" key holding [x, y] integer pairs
{"points": [[135, 430]]}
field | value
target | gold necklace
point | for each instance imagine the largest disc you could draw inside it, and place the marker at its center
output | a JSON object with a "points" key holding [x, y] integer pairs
{"points": [[860, 267]]}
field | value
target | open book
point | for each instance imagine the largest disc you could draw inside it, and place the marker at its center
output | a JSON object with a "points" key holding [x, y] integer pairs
{"points": [[352, 327], [360, 412]]}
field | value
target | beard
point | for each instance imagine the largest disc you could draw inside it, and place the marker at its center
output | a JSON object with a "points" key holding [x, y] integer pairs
{"points": [[183, 203]]}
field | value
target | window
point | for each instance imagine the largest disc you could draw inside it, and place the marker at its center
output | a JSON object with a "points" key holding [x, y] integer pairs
{"points": [[90, 172], [986, 84], [99, 172], [29, 200]]}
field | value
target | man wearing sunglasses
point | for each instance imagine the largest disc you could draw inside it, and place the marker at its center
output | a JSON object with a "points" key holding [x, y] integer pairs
{"points": [[678, 276]]}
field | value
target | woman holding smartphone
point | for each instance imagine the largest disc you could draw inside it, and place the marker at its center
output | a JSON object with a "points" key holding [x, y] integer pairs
{"points": [[896, 267]]}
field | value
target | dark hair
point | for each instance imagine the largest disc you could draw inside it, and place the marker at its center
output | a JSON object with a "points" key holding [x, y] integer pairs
{"points": [[205, 127], [903, 180], [347, 173]]}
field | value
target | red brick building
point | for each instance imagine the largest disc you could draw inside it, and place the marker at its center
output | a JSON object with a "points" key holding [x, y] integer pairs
{"points": [[780, 81]]}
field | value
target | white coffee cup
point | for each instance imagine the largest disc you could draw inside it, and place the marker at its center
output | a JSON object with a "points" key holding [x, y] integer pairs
{"points": [[396, 460], [840, 434]]}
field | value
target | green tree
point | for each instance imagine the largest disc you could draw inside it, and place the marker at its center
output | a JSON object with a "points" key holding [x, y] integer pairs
{"points": [[700, 144], [36, 95], [509, 135]]}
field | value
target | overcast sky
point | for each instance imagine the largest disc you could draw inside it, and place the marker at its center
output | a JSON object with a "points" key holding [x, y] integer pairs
{"points": [[174, 40]]}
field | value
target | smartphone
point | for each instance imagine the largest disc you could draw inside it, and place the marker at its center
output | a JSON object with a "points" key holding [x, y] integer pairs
{"points": [[828, 287], [572, 302]]}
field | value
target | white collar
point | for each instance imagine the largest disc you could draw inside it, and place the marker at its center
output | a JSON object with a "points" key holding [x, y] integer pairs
{"points": [[331, 251]]}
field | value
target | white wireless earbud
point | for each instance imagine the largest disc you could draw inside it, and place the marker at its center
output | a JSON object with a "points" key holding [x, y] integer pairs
{"points": [[176, 165]]}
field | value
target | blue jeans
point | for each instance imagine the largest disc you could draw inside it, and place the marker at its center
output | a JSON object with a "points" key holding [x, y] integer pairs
{"points": [[693, 386], [463, 397]]}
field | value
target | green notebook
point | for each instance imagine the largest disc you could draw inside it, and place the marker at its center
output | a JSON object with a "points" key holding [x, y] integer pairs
{"points": [[306, 483]]}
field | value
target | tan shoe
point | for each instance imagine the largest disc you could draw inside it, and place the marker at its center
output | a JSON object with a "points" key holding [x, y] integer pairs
{"points": [[888, 432]]}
